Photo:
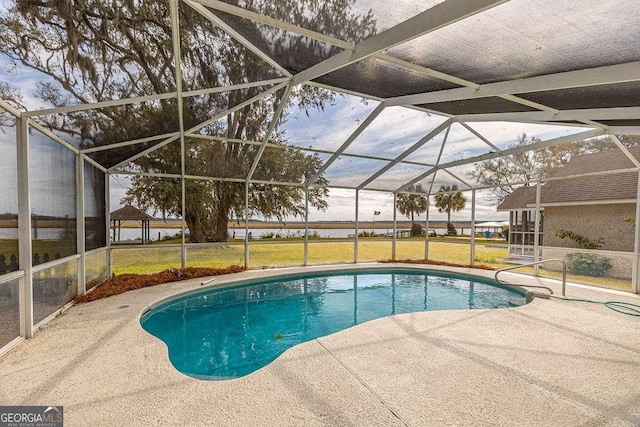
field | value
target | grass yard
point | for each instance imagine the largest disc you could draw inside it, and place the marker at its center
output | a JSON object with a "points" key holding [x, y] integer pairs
{"points": [[154, 258], [9, 247]]}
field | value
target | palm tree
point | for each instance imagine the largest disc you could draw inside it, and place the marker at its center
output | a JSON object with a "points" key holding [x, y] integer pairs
{"points": [[411, 204], [449, 199]]}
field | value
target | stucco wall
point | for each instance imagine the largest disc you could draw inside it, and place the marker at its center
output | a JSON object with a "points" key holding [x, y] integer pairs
{"points": [[591, 221]]}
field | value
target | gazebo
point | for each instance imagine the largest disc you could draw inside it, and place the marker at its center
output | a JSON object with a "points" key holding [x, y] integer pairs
{"points": [[130, 213]]}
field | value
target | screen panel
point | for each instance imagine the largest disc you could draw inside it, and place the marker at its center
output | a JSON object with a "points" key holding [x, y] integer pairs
{"points": [[53, 199]]}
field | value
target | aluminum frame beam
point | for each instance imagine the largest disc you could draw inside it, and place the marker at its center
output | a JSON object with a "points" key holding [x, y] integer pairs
{"points": [[201, 125], [508, 152], [175, 38], [244, 13], [589, 77], [560, 178], [95, 164], [130, 142], [624, 130], [363, 126], [616, 113], [398, 62], [494, 147], [24, 226], [276, 23], [53, 136], [625, 150], [439, 16], [456, 177], [444, 143], [147, 98], [10, 108], [536, 230], [303, 149], [274, 122], [80, 225], [198, 7], [383, 190], [472, 246], [635, 278], [435, 132]]}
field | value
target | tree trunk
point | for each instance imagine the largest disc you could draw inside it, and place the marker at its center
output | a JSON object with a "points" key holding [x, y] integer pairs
{"points": [[412, 219], [196, 230], [221, 226]]}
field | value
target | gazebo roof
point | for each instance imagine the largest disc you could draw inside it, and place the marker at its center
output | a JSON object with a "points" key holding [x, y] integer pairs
{"points": [[130, 212]]}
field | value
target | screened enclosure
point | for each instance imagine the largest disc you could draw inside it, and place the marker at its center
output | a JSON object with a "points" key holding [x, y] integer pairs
{"points": [[216, 116]]}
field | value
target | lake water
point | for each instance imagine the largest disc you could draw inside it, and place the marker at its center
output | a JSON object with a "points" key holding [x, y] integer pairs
{"points": [[259, 233], [130, 234]]}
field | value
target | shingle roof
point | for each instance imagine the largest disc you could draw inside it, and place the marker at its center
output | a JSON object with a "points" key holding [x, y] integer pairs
{"points": [[129, 212], [518, 199], [622, 186]]}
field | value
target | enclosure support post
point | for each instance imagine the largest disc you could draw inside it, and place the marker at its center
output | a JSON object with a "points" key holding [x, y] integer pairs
{"points": [[355, 241], [175, 37], [536, 231], [107, 215], [80, 245], [246, 224], [635, 288], [306, 226], [395, 227], [426, 232], [472, 251], [24, 228]]}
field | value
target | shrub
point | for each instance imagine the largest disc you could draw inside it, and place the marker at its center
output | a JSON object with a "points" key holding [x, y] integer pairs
{"points": [[451, 229], [588, 264], [416, 230], [366, 234], [581, 240]]}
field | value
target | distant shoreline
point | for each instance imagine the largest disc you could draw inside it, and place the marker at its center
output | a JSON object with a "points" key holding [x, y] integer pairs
{"points": [[274, 225]]}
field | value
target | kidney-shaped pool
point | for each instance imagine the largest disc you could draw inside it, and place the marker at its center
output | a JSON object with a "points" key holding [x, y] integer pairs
{"points": [[230, 332]]}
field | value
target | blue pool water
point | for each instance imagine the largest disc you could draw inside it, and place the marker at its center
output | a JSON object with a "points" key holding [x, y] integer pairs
{"points": [[228, 333]]}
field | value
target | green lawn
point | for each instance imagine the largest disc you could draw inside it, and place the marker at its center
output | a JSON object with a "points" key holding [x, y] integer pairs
{"points": [[286, 253], [290, 252], [154, 258], [65, 248]]}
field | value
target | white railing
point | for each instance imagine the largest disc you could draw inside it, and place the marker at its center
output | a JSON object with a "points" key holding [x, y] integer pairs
{"points": [[564, 274]]}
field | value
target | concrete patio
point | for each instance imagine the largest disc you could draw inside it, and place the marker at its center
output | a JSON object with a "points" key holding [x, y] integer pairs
{"points": [[549, 363]]}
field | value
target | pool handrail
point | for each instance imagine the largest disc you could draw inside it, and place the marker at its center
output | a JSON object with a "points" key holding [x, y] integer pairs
{"points": [[564, 273]]}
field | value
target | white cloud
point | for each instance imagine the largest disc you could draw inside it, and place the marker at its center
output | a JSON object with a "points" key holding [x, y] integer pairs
{"points": [[118, 185]]}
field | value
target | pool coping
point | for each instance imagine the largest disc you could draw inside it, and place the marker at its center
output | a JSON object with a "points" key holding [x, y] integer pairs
{"points": [[325, 270]]}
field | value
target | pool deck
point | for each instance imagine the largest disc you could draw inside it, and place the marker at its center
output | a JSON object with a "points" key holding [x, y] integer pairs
{"points": [[549, 363]]}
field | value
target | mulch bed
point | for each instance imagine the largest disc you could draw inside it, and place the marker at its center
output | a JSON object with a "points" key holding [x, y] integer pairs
{"points": [[128, 282], [431, 262]]}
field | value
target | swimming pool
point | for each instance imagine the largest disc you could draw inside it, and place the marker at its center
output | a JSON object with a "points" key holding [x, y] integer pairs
{"points": [[230, 332]]}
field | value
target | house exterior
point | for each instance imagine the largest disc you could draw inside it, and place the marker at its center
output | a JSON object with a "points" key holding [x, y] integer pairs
{"points": [[591, 206]]}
